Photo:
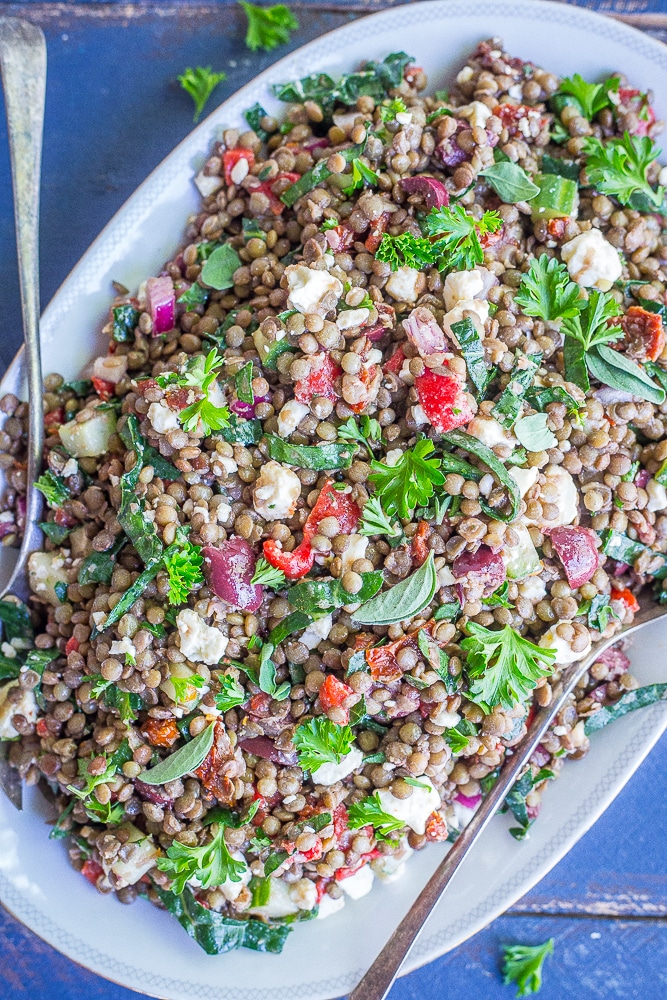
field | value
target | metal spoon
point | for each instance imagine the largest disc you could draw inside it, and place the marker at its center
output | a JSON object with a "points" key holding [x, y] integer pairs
{"points": [[23, 69], [377, 982]]}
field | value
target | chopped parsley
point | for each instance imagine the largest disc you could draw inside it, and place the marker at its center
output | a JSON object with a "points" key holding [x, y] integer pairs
{"points": [[268, 575], [618, 167], [199, 373], [321, 741], [522, 964], [184, 569], [268, 27], [503, 666], [211, 863], [53, 488], [369, 812], [230, 694], [410, 483], [547, 291]]}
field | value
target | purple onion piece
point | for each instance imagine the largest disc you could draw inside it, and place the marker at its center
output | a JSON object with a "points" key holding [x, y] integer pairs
{"points": [[161, 303]]}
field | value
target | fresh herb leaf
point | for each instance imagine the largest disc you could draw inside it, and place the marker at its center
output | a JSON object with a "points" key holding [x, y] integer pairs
{"points": [[200, 83], [320, 741], [268, 27], [510, 403], [211, 863], [53, 488], [184, 569], [533, 433], [457, 246], [470, 342], [366, 432], [522, 964], [503, 666], [411, 482], [402, 601], [184, 687], [599, 612], [114, 763], [459, 439], [126, 703], [131, 517], [510, 182], [560, 167], [361, 175], [547, 291], [389, 111], [182, 761], [447, 612], [230, 695], [374, 521], [109, 813], [125, 320], [498, 599], [540, 397], [369, 812], [618, 167], [268, 575], [458, 738], [199, 373], [406, 250], [318, 597], [294, 622], [218, 270], [628, 702], [589, 98], [56, 533], [620, 372], [98, 567], [241, 431], [321, 457], [194, 296]]}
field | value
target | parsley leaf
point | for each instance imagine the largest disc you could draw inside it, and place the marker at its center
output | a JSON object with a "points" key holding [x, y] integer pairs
{"points": [[409, 483], [268, 575], [211, 864], [522, 964], [369, 812], [503, 666], [53, 488], [268, 27], [361, 175], [389, 111], [457, 233], [406, 250], [200, 83], [199, 373], [184, 569], [590, 97], [599, 612], [321, 741], [230, 694], [184, 686], [619, 167], [586, 330], [365, 432], [546, 291], [374, 521]]}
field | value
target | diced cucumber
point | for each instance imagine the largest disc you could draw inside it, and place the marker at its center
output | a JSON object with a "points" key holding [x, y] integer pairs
{"points": [[45, 570], [90, 438], [521, 560], [558, 197]]}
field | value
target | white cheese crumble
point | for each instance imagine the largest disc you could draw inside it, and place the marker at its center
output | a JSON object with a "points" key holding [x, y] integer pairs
{"points": [[129, 872], [533, 588], [70, 468], [443, 717], [393, 457], [567, 500], [564, 653], [358, 885], [462, 286], [163, 418], [276, 492], [291, 416], [316, 632], [592, 261], [349, 318], [26, 706], [200, 642], [402, 284], [123, 647], [239, 171], [657, 495], [230, 890], [329, 774], [303, 894], [112, 368], [328, 906], [524, 478], [490, 432], [45, 570], [476, 113], [390, 867], [307, 288], [356, 549], [416, 809], [476, 309]]}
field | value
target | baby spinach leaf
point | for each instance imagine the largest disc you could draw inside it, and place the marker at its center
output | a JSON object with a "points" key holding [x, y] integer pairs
{"points": [[98, 566], [318, 597], [321, 457], [628, 702]]}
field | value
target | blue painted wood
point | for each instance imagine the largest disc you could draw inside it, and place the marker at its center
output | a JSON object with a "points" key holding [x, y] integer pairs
{"points": [[113, 112]]}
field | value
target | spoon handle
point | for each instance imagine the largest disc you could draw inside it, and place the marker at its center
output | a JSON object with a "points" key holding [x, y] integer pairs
{"points": [[23, 67]]}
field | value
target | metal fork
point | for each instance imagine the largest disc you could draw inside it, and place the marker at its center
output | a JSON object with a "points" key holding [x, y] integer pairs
{"points": [[23, 69], [377, 982]]}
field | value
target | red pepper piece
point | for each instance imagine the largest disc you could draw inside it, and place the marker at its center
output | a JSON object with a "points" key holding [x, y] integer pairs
{"points": [[320, 381], [418, 547], [395, 362], [342, 873], [41, 728], [511, 114], [436, 828], [313, 853], [103, 388], [294, 564], [92, 871], [340, 821], [366, 376], [209, 771], [334, 692], [71, 646], [637, 101], [627, 599], [443, 400], [232, 156], [53, 419], [277, 207], [644, 334]]}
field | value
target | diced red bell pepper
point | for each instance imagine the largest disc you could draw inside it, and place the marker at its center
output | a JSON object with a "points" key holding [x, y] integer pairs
{"points": [[160, 732], [103, 388], [330, 503], [487, 240], [313, 853], [41, 728], [333, 693], [321, 888], [436, 828], [644, 334], [266, 187], [320, 381], [418, 548], [232, 156], [340, 821], [395, 362], [444, 400], [627, 599], [71, 646], [92, 871], [53, 419], [638, 102], [342, 873]]}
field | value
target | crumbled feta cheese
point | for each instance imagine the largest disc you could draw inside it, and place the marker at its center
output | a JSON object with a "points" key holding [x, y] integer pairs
{"points": [[239, 171], [524, 478], [404, 117], [280, 902], [443, 717], [445, 576], [533, 588], [356, 549], [223, 512], [316, 632], [112, 368], [358, 885], [564, 653], [402, 284], [592, 261], [416, 809], [329, 774], [308, 289], [303, 894], [129, 871], [45, 570], [475, 309], [70, 468], [349, 318], [490, 432], [393, 457], [476, 113], [207, 185], [8, 650], [163, 418], [200, 642], [291, 416], [26, 706], [390, 867], [462, 286], [657, 495], [464, 75], [418, 415], [276, 492], [459, 815], [567, 499], [123, 647], [328, 906], [99, 618]]}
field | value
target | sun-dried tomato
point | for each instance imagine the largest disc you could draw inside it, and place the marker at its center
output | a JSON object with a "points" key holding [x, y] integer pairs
{"points": [[376, 232], [333, 693], [556, 228], [103, 388], [382, 659], [53, 419], [395, 362], [418, 548], [436, 828], [366, 377], [160, 732], [209, 771], [644, 334]]}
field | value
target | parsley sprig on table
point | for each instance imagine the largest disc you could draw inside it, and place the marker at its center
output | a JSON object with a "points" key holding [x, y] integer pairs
{"points": [[268, 27], [199, 373], [321, 741], [503, 666], [618, 167], [410, 483], [184, 569], [211, 864], [200, 83], [523, 965], [369, 812], [547, 291]]}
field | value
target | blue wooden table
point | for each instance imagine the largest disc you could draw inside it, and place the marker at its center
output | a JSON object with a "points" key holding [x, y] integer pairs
{"points": [[113, 112]]}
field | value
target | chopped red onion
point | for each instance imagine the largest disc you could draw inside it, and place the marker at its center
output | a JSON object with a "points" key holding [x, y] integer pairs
{"points": [[469, 801], [607, 396], [424, 332], [161, 302], [229, 568]]}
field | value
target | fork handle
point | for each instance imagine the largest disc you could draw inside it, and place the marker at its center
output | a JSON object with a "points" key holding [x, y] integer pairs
{"points": [[23, 67]]}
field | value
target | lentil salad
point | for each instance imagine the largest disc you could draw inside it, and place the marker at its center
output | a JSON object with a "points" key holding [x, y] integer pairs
{"points": [[317, 732]]}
